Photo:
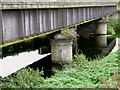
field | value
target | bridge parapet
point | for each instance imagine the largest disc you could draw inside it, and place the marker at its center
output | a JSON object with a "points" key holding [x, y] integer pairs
{"points": [[12, 4]]}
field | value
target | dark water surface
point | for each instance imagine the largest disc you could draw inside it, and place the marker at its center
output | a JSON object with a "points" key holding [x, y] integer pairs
{"points": [[92, 46], [95, 46]]}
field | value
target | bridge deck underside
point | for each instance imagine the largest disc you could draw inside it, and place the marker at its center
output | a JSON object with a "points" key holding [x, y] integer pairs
{"points": [[24, 23]]}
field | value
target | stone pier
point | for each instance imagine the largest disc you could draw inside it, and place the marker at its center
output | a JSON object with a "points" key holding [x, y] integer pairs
{"points": [[102, 27], [61, 49]]}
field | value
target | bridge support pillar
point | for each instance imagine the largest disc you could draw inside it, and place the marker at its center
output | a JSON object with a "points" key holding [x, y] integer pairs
{"points": [[102, 27], [61, 49]]}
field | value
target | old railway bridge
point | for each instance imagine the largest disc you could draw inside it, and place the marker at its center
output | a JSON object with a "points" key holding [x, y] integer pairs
{"points": [[19, 19]]}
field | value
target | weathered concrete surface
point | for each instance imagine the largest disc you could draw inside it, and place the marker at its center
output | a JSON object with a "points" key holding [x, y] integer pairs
{"points": [[102, 27], [61, 49]]}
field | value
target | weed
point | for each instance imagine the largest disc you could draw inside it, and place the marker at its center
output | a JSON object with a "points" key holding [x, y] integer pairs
{"points": [[112, 82]]}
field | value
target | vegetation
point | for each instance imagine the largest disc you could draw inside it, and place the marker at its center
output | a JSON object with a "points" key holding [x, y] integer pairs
{"points": [[25, 46], [113, 26], [70, 33], [79, 74]]}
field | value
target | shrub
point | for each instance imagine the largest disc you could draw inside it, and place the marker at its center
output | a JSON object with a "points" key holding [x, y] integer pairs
{"points": [[112, 82]]}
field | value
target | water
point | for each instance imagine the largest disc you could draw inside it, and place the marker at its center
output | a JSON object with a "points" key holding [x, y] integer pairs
{"points": [[90, 45], [96, 46]]}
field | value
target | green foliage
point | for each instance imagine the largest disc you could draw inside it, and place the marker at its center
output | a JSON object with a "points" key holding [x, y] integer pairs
{"points": [[110, 30], [69, 33], [113, 26], [88, 75], [80, 60], [79, 74], [25, 78]]}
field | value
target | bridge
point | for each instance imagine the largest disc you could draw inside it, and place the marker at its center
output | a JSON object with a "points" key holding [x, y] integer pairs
{"points": [[21, 19], [24, 19]]}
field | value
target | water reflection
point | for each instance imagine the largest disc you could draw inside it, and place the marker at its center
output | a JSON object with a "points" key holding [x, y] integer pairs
{"points": [[44, 64], [92, 47], [101, 41], [96, 46]]}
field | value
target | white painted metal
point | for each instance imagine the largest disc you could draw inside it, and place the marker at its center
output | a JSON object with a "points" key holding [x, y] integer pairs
{"points": [[11, 64]]}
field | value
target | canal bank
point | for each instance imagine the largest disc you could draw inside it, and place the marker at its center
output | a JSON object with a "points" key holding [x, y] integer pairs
{"points": [[80, 73], [92, 46]]}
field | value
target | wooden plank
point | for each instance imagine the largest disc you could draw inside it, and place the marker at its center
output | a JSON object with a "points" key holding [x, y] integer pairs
{"points": [[44, 20], [51, 19], [1, 29], [40, 12], [27, 31], [21, 24], [55, 18], [10, 25], [33, 22]]}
